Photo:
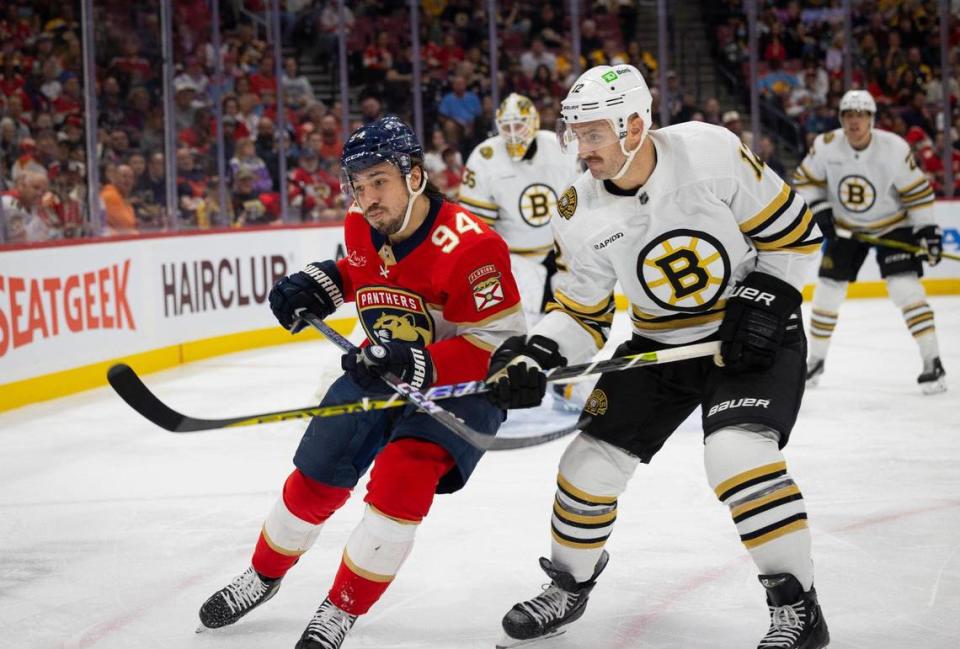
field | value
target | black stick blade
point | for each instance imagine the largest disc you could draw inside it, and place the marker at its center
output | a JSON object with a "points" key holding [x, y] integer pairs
{"points": [[138, 396]]}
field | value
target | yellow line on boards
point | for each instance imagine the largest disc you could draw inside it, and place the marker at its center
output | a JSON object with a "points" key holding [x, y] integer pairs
{"points": [[86, 377]]}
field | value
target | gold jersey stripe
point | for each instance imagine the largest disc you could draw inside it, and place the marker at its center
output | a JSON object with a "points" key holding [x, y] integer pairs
{"points": [[587, 310], [402, 521], [499, 315], [760, 502], [792, 236], [693, 321], [923, 317], [813, 179], [907, 200], [366, 574], [912, 186], [795, 526], [583, 495], [875, 225], [746, 476], [766, 212]]}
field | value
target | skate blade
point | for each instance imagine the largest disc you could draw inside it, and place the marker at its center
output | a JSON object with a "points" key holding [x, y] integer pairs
{"points": [[201, 629], [934, 387], [506, 642]]}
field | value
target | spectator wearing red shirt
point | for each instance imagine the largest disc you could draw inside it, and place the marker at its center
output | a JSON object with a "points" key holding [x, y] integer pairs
{"points": [[263, 80], [318, 190], [70, 101], [377, 58]]}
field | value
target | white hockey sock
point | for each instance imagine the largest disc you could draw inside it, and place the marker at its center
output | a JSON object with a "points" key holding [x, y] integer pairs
{"points": [[592, 476], [287, 534], [749, 474], [827, 298], [908, 294]]}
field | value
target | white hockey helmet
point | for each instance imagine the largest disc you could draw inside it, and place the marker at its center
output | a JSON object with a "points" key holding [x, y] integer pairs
{"points": [[858, 100], [517, 122], [609, 93]]}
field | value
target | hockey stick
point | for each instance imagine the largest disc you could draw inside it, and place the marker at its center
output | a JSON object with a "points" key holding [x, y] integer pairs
{"points": [[404, 389], [138, 396], [899, 245]]}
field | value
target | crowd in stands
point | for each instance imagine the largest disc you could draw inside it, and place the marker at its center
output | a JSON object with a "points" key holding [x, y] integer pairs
{"points": [[895, 54], [43, 166]]}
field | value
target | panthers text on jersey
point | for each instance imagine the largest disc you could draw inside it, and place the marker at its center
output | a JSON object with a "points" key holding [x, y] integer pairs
{"points": [[710, 213], [518, 198], [448, 287], [873, 190]]}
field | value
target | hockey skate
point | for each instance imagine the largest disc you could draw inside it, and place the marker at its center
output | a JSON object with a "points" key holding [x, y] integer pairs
{"points": [[562, 601], [796, 621], [814, 371], [933, 379], [238, 598], [327, 629]]}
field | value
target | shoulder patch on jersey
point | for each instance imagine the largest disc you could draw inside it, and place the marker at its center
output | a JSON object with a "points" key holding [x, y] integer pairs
{"points": [[567, 204], [828, 137], [597, 403], [486, 152], [486, 287]]}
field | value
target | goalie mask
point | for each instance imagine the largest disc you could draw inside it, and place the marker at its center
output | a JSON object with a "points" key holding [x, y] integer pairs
{"points": [[609, 96], [517, 123]]}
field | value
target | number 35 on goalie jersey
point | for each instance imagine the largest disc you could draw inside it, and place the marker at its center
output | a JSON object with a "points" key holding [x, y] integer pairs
{"points": [[710, 213]]}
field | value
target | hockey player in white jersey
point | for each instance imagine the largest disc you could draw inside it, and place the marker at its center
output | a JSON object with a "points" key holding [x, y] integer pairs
{"points": [[707, 243], [513, 181], [860, 180]]}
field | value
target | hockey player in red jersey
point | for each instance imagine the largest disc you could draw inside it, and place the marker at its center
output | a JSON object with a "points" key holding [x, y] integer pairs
{"points": [[434, 293]]}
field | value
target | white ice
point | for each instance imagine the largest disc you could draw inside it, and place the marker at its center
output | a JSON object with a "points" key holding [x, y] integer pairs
{"points": [[113, 531]]}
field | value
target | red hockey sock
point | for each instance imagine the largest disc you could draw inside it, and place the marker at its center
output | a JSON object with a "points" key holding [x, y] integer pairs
{"points": [[305, 504]]}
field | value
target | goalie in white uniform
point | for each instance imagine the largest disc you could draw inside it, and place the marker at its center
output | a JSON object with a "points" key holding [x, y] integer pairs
{"points": [[708, 244], [513, 181], [860, 180]]}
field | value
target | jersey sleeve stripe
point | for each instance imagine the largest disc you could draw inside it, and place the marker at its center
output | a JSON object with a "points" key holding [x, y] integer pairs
{"points": [[768, 214], [483, 213], [476, 202], [587, 310], [922, 205], [802, 174], [796, 231], [532, 252], [597, 329], [912, 187], [920, 196], [805, 247]]}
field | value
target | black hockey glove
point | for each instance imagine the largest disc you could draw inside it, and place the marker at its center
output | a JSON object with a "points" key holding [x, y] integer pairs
{"points": [[317, 289], [823, 216], [411, 364], [754, 321], [930, 240], [522, 384]]}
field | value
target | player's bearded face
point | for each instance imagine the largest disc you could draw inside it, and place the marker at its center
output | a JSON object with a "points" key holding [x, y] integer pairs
{"points": [[381, 193]]}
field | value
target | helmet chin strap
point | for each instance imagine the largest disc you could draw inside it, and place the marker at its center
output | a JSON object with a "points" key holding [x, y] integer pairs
{"points": [[414, 193], [630, 155]]}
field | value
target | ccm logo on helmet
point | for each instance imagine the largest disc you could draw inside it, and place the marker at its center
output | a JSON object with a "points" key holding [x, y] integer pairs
{"points": [[738, 403], [753, 295]]}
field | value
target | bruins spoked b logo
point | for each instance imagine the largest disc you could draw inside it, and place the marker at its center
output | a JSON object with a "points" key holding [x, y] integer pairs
{"points": [[856, 193], [537, 203], [683, 270]]}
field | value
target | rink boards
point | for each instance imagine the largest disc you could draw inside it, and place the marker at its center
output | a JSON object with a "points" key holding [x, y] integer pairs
{"points": [[70, 310]]}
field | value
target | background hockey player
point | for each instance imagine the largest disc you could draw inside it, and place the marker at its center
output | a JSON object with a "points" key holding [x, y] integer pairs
{"points": [[861, 180], [513, 181], [434, 293], [707, 243]]}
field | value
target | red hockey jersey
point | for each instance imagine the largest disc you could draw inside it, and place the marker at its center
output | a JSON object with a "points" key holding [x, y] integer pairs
{"points": [[447, 287]]}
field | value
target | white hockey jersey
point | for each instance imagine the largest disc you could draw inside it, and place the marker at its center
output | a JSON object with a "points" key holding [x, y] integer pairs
{"points": [[518, 198], [874, 190], [710, 213]]}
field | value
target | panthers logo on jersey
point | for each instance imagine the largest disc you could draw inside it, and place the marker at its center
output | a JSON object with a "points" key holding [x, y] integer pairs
{"points": [[393, 315], [856, 193], [683, 270], [537, 203]]}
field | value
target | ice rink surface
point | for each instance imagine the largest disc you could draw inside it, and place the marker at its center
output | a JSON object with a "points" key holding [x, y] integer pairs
{"points": [[114, 532]]}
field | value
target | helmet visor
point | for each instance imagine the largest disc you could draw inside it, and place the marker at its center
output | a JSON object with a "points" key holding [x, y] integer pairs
{"points": [[586, 137]]}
